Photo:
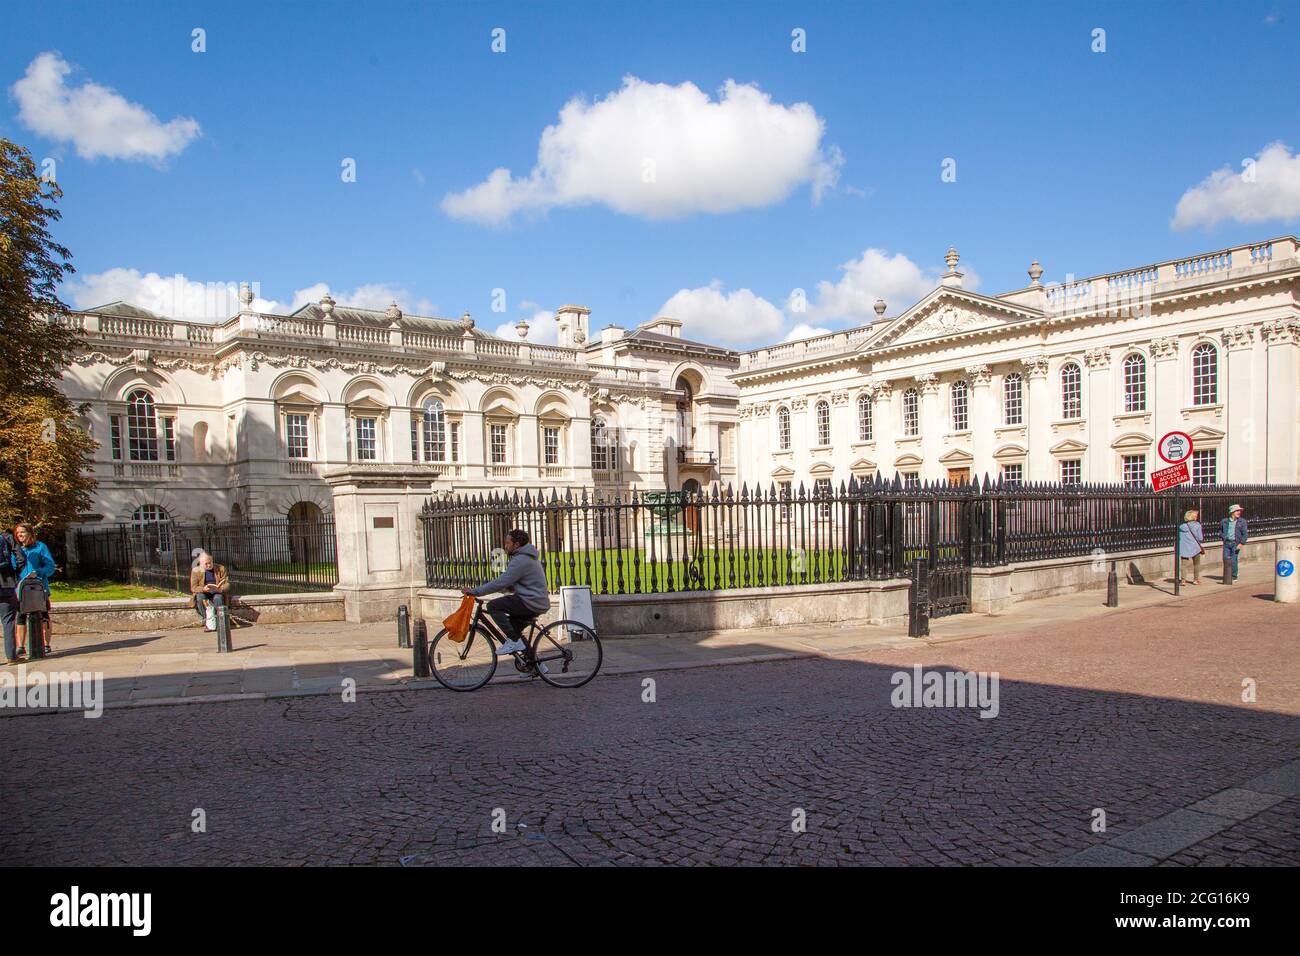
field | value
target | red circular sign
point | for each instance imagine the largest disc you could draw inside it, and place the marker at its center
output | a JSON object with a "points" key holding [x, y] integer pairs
{"points": [[1175, 447]]}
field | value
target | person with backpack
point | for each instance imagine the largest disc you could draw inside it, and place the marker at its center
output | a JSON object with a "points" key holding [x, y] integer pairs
{"points": [[12, 561], [39, 567]]}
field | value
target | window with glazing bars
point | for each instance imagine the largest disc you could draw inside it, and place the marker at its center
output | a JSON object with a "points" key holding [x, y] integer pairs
{"points": [[1013, 400], [367, 445], [823, 423], [911, 413], [295, 435], [498, 444], [434, 431], [1135, 470], [141, 427], [1205, 375], [1071, 391], [1205, 467], [1135, 383], [960, 416], [551, 446], [864, 418]]}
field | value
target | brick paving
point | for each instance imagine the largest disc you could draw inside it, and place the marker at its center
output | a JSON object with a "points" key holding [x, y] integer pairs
{"points": [[1138, 713]]}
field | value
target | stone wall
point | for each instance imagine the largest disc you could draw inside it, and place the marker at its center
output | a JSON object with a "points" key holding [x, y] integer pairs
{"points": [[104, 617]]}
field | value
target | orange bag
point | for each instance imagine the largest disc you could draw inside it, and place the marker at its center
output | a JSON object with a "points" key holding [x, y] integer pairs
{"points": [[458, 622]]}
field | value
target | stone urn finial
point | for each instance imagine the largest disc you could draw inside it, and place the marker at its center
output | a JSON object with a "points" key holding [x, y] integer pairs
{"points": [[952, 258], [466, 322], [879, 308], [521, 329], [327, 304], [245, 294], [393, 313], [1035, 272]]}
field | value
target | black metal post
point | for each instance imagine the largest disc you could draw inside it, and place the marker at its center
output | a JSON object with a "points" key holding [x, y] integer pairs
{"points": [[223, 629], [918, 605], [403, 626], [1178, 560], [35, 636], [420, 651], [1112, 587]]}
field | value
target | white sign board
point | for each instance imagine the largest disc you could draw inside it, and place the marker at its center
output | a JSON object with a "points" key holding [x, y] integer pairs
{"points": [[575, 605]]}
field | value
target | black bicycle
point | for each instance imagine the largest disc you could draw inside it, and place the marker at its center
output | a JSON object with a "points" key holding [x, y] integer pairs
{"points": [[563, 653]]}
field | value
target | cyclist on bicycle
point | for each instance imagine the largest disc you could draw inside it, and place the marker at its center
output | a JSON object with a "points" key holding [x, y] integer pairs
{"points": [[525, 578]]}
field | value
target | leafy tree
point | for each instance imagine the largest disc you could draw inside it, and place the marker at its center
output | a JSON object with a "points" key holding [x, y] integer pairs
{"points": [[44, 452]]}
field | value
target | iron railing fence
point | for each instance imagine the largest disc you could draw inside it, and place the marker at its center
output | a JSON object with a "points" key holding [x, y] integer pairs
{"points": [[644, 542], [263, 556]]}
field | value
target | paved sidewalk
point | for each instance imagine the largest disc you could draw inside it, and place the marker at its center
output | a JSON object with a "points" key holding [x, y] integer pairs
{"points": [[292, 660]]}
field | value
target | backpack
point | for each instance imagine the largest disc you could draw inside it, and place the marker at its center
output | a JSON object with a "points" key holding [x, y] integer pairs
{"points": [[10, 555], [31, 595]]}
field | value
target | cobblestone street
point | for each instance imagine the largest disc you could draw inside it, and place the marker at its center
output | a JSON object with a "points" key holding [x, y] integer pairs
{"points": [[1138, 714]]}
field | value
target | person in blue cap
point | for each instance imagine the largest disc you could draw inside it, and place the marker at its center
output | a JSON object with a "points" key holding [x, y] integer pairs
{"points": [[1233, 531]]}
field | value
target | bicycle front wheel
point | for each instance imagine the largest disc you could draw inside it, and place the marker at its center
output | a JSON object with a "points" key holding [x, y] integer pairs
{"points": [[464, 666], [571, 652]]}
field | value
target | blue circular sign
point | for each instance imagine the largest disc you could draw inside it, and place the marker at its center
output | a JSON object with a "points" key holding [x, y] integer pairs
{"points": [[1285, 569]]}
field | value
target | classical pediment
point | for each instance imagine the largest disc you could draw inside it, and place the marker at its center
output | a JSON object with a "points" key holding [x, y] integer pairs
{"points": [[957, 456], [862, 466], [1010, 453], [1069, 447], [1134, 440], [907, 461], [784, 473], [947, 311]]}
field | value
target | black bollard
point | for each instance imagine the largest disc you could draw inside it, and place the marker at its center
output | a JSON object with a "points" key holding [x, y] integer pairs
{"points": [[420, 652], [1112, 587], [403, 626], [918, 604], [35, 637], [223, 629]]}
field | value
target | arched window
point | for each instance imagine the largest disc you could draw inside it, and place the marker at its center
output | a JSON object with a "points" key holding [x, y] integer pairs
{"points": [[783, 428], [1135, 383], [1205, 374], [152, 530], [864, 417], [823, 423], [141, 426], [960, 407], [600, 457], [434, 431], [911, 413], [1013, 400], [1071, 391]]}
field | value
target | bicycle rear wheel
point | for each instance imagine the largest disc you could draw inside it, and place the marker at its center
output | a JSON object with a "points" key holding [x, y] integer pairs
{"points": [[571, 652], [464, 666]]}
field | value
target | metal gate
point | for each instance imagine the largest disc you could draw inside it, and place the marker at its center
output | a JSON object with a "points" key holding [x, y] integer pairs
{"points": [[939, 532]]}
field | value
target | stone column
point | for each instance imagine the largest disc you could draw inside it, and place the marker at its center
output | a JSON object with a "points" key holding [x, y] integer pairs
{"points": [[983, 419], [1037, 414], [1167, 388], [1236, 454], [884, 428], [1283, 337], [1101, 422], [932, 427]]}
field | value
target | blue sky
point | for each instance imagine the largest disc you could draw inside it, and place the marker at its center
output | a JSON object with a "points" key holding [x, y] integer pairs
{"points": [[1075, 157]]}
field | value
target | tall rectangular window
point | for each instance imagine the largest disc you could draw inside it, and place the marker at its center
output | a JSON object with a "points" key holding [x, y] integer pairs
{"points": [[1135, 470], [864, 418], [822, 491], [498, 444], [551, 446], [785, 488], [1135, 383], [367, 443], [1072, 471], [1071, 391], [960, 407], [1205, 467], [115, 436], [1013, 400], [454, 430], [911, 413], [1205, 375], [169, 438], [295, 435]]}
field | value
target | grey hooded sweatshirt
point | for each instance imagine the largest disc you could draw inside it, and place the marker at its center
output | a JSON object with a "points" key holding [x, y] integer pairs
{"points": [[525, 576]]}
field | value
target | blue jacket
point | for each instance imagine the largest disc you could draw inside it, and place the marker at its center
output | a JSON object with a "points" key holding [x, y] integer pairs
{"points": [[1239, 532], [1190, 537], [39, 562]]}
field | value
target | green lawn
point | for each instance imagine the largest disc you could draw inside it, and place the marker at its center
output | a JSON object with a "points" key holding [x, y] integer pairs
{"points": [[62, 591]]}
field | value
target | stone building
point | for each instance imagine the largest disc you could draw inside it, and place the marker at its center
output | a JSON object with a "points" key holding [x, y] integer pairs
{"points": [[271, 415]]}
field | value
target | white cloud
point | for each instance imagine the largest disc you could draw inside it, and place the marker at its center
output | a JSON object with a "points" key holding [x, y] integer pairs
{"points": [[542, 328], [804, 331], [179, 297], [710, 314], [95, 119], [1267, 189], [661, 152], [877, 275]]}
